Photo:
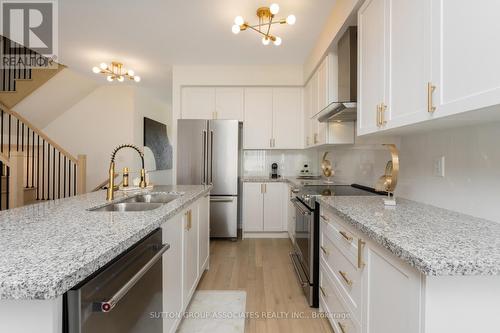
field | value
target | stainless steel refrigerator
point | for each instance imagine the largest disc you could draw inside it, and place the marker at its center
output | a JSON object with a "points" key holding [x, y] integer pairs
{"points": [[208, 153]]}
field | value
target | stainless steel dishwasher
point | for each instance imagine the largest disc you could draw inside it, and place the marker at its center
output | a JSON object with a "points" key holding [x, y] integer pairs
{"points": [[125, 296]]}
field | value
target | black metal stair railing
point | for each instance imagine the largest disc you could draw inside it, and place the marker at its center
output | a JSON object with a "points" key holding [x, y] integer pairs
{"points": [[16, 63]]}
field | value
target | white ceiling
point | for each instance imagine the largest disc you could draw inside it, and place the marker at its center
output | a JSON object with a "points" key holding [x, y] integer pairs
{"points": [[150, 36]]}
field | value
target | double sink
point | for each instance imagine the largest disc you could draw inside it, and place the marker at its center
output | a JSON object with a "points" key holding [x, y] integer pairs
{"points": [[140, 202]]}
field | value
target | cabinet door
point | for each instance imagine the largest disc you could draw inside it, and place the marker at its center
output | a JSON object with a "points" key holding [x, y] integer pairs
{"points": [[204, 233], [229, 103], [198, 103], [314, 95], [190, 253], [172, 271], [392, 295], [307, 113], [253, 207], [287, 115], [410, 61], [465, 55], [258, 123], [323, 86], [273, 207], [372, 78]]}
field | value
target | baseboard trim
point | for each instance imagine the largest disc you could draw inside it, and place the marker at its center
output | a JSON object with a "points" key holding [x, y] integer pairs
{"points": [[278, 234]]}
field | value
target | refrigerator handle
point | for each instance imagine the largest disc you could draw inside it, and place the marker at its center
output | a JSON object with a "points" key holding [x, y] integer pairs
{"points": [[211, 157], [204, 160]]}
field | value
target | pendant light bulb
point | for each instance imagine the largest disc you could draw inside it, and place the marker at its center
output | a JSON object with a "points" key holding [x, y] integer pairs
{"points": [[277, 41], [137, 78], [130, 72], [121, 78], [236, 29], [265, 40], [291, 19], [110, 78], [96, 70], [274, 8], [103, 66], [239, 20]]}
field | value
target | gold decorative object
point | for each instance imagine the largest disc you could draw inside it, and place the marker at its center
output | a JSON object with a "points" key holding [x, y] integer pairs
{"points": [[266, 17], [387, 183], [326, 167], [116, 71]]}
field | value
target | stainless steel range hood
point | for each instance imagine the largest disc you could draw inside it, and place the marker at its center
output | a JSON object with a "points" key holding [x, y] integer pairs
{"points": [[345, 109]]}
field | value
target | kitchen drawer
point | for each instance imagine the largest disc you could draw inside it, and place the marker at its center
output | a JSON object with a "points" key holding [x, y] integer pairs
{"points": [[332, 304], [342, 237], [345, 275]]}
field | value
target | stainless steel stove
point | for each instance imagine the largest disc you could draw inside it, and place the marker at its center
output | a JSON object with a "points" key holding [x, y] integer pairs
{"points": [[305, 255]]}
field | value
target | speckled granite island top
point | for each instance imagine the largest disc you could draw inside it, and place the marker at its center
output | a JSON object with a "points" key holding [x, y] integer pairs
{"points": [[47, 248], [435, 241]]}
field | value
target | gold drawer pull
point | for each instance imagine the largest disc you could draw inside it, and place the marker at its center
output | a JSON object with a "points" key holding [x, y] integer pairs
{"points": [[343, 327], [325, 251], [323, 291], [430, 89], [346, 236], [325, 218], [346, 279], [361, 246]]}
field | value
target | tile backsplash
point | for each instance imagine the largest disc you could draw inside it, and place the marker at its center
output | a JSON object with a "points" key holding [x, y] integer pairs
{"points": [[290, 162]]}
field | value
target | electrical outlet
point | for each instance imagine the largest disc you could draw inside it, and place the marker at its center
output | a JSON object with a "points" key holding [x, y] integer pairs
{"points": [[439, 166]]}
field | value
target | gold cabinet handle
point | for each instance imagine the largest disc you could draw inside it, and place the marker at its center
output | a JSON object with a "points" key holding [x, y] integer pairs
{"points": [[346, 279], [325, 251], [346, 236], [430, 90], [383, 108], [188, 220], [361, 246], [322, 291], [342, 327], [315, 138]]}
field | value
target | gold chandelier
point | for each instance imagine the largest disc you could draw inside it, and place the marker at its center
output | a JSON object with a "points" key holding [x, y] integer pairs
{"points": [[266, 20], [116, 71]]}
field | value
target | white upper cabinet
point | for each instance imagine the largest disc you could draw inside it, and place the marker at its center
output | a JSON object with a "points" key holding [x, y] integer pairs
{"points": [[372, 76], [287, 118], [410, 62], [229, 103], [465, 55], [212, 103], [198, 103], [323, 84], [425, 59], [258, 123], [308, 133]]}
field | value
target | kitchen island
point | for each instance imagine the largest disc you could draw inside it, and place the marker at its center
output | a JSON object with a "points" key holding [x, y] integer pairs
{"points": [[48, 248], [411, 268]]}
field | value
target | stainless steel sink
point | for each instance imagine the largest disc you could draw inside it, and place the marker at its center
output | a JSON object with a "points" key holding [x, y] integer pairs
{"points": [[160, 197], [127, 207]]}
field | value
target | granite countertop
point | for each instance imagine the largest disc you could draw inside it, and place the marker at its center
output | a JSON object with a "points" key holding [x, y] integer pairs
{"points": [[436, 241], [294, 181], [48, 248]]}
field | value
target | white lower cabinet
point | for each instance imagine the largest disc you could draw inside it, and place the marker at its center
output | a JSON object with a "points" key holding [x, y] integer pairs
{"points": [[364, 288], [264, 207], [187, 233]]}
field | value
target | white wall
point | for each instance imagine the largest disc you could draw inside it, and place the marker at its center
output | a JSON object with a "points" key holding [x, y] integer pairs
{"points": [[95, 126], [472, 169], [147, 105]]}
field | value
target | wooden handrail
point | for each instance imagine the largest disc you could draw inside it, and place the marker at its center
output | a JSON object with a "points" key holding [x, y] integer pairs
{"points": [[39, 133]]}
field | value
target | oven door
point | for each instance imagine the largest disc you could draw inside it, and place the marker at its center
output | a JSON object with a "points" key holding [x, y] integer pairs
{"points": [[302, 255]]}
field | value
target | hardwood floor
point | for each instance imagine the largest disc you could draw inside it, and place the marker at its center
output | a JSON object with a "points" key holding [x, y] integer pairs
{"points": [[263, 269]]}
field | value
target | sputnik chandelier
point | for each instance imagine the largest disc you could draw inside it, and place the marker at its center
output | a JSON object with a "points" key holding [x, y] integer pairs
{"points": [[266, 20], [116, 71]]}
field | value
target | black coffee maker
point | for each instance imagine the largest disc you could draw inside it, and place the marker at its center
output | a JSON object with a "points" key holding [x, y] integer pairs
{"points": [[274, 171]]}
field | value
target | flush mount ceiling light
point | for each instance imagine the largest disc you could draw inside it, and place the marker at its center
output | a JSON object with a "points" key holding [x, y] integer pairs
{"points": [[116, 71], [266, 20]]}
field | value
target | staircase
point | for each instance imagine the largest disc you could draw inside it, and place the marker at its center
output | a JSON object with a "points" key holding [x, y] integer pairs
{"points": [[32, 166]]}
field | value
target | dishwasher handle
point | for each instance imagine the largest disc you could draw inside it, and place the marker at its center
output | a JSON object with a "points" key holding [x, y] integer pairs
{"points": [[107, 306]]}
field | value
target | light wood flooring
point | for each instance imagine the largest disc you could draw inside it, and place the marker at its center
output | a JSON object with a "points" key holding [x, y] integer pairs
{"points": [[263, 269]]}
